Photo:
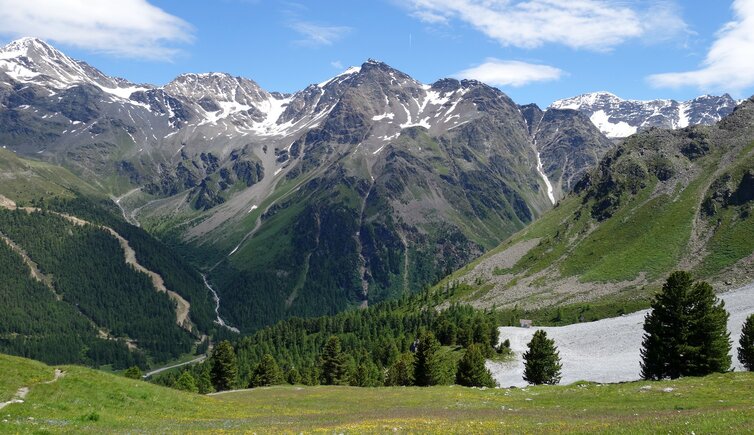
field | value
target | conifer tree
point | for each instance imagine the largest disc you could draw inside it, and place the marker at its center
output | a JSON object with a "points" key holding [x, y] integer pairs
{"points": [[334, 370], [204, 379], [224, 367], [686, 331], [430, 368], [401, 372], [266, 373], [133, 372], [541, 360], [471, 369], [746, 344], [186, 382], [294, 376]]}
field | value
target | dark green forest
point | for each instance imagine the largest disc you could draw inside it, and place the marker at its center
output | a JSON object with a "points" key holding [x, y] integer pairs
{"points": [[372, 340], [87, 269], [178, 274], [35, 325]]}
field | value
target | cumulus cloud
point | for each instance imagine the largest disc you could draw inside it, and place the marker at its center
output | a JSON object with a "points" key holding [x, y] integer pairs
{"points": [[581, 24], [128, 28], [729, 64], [514, 73], [315, 35]]}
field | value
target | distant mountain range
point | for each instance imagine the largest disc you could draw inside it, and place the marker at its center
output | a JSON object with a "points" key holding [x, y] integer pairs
{"points": [[350, 191], [617, 118]]}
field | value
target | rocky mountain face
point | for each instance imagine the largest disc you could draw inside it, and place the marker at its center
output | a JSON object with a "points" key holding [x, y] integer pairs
{"points": [[350, 191], [662, 200], [617, 118]]}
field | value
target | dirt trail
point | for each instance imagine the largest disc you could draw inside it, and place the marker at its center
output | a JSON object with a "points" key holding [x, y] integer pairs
{"points": [[182, 305], [33, 267], [24, 391]]}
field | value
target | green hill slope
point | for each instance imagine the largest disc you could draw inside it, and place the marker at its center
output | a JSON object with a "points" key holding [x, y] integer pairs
{"points": [[24, 179], [69, 294], [663, 200], [88, 401]]}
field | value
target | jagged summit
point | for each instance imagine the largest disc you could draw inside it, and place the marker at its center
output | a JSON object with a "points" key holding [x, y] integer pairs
{"points": [[617, 117]]}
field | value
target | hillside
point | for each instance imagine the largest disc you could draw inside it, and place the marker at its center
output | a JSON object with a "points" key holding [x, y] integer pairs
{"points": [[82, 286], [662, 200], [87, 401]]}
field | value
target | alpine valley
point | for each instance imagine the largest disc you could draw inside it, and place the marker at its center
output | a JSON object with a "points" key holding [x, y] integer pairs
{"points": [[245, 206]]}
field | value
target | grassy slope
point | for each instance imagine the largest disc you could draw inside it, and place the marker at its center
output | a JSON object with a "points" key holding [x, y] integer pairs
{"points": [[94, 402], [24, 179], [649, 235]]}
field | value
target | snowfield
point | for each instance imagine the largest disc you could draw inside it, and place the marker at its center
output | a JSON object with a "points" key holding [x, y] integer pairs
{"points": [[606, 350]]}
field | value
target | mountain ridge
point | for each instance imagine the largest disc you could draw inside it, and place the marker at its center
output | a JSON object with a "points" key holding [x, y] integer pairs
{"points": [[360, 188], [617, 117]]}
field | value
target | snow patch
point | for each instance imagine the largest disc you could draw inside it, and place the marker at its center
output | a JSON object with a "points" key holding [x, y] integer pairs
{"points": [[683, 115], [612, 130], [542, 173], [383, 116], [606, 350]]}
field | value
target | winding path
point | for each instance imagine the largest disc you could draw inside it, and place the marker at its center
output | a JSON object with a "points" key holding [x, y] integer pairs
{"points": [[23, 391], [162, 369]]}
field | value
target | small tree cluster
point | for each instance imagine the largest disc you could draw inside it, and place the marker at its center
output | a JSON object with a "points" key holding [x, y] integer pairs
{"points": [[471, 369], [266, 373]]}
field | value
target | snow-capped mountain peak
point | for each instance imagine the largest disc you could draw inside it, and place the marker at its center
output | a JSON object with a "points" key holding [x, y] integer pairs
{"points": [[617, 117], [31, 60]]}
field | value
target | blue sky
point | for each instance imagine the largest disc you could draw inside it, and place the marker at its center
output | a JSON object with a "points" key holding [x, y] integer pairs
{"points": [[534, 50]]}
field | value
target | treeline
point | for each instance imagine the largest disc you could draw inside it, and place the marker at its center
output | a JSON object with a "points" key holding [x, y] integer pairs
{"points": [[87, 268], [35, 325], [374, 343], [177, 273]]}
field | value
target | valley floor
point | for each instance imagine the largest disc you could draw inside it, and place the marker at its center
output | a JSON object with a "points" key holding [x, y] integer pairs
{"points": [[88, 401], [607, 350]]}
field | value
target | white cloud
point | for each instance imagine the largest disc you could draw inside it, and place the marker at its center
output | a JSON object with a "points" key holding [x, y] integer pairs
{"points": [[337, 64], [729, 64], [514, 73], [315, 35], [129, 28], [581, 24]]}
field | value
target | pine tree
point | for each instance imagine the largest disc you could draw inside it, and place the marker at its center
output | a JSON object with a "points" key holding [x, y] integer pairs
{"points": [[541, 360], [133, 373], [186, 382], [686, 331], [204, 379], [333, 363], [401, 372], [471, 369], [430, 368], [224, 367], [266, 373], [294, 376], [746, 349]]}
